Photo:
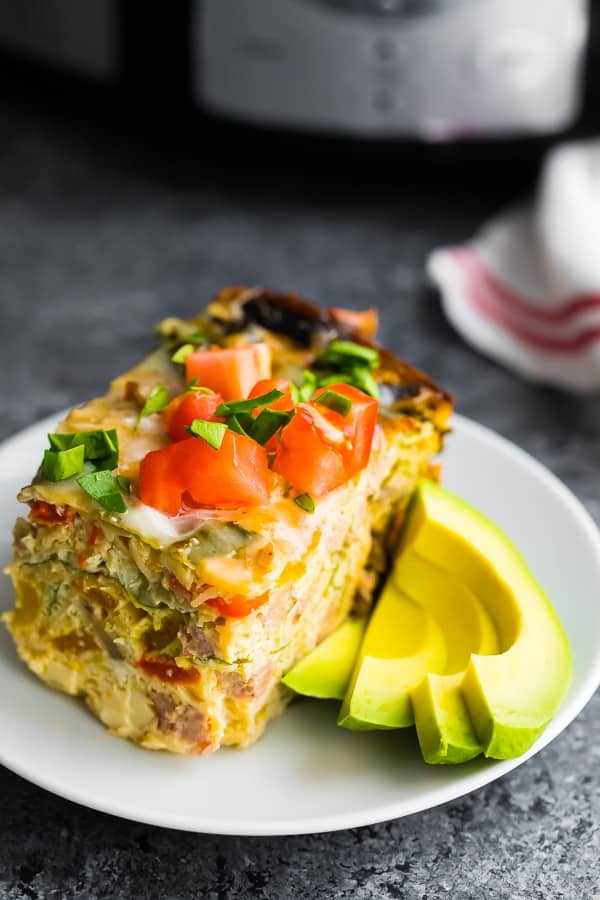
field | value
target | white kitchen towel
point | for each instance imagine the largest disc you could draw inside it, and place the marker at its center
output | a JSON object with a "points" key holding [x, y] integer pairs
{"points": [[526, 289]]}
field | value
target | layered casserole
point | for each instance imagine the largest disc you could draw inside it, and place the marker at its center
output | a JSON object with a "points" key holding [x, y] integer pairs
{"points": [[198, 530]]}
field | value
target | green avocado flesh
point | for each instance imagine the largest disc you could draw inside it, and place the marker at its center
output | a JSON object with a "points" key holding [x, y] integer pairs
{"points": [[463, 642], [326, 671]]}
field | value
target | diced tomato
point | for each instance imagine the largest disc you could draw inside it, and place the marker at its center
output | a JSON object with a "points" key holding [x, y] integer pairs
{"points": [[182, 411], [309, 452], [230, 371], [191, 473], [358, 425], [48, 514], [265, 385], [237, 607], [166, 670], [321, 449]]}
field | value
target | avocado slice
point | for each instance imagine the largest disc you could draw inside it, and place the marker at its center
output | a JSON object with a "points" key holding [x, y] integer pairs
{"points": [[326, 671], [401, 645], [511, 695], [425, 621], [504, 663], [444, 727]]}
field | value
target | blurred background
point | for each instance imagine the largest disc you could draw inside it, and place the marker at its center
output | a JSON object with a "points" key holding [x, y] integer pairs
{"points": [[153, 152], [435, 70]]}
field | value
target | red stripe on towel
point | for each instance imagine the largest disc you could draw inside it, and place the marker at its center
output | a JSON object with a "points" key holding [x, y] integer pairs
{"points": [[484, 297], [568, 309]]}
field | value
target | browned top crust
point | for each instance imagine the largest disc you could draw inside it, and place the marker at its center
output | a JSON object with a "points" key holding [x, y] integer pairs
{"points": [[311, 326]]}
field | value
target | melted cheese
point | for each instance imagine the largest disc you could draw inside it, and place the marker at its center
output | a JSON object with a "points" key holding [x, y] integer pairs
{"points": [[157, 528]]}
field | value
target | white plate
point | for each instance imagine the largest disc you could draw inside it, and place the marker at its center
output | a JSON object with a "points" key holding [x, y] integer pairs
{"points": [[306, 774]]}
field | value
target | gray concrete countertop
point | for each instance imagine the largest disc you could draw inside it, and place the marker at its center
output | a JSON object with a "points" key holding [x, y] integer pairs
{"points": [[102, 234]]}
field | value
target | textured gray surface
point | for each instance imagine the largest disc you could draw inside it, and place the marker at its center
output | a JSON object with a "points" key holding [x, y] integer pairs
{"points": [[101, 235]]}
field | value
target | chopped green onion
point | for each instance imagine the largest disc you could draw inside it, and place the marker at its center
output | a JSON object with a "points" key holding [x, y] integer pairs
{"points": [[364, 381], [156, 400], [62, 441], [349, 362], [268, 422], [305, 502], [100, 447], [195, 386], [197, 337], [261, 428], [234, 407], [348, 353], [307, 388], [337, 402], [243, 423], [61, 464], [360, 377], [211, 432], [104, 489], [124, 483], [182, 353], [336, 378]]}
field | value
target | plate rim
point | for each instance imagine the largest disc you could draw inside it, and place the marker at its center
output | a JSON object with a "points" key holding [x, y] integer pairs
{"points": [[369, 815]]}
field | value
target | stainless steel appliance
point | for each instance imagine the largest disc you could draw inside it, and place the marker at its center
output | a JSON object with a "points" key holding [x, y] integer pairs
{"points": [[437, 70], [434, 69]]}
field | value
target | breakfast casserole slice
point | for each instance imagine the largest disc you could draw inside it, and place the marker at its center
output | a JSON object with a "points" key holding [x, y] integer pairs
{"points": [[198, 530]]}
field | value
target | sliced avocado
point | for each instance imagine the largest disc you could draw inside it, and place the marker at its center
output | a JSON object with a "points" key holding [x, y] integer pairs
{"points": [[463, 641], [444, 727], [426, 621], [464, 620], [401, 645], [511, 695], [326, 671]]}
